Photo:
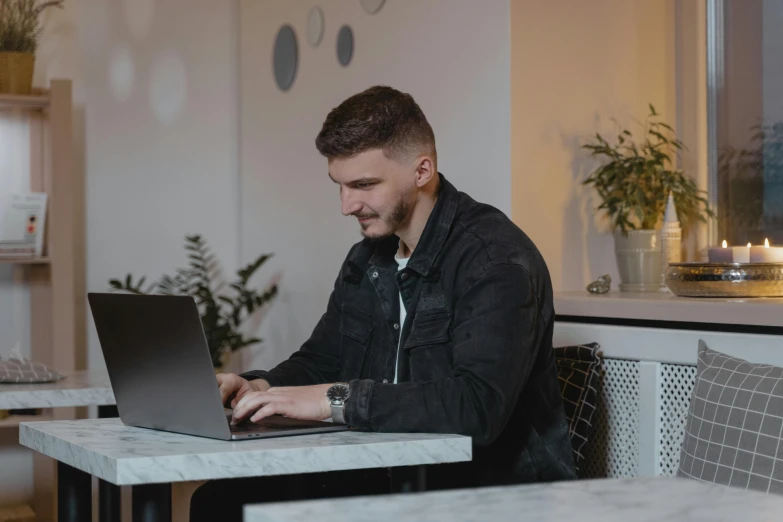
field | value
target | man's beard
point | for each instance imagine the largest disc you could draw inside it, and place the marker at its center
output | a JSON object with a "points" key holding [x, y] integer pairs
{"points": [[398, 215]]}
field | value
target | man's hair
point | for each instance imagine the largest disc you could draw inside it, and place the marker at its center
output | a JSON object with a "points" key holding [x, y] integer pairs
{"points": [[378, 118]]}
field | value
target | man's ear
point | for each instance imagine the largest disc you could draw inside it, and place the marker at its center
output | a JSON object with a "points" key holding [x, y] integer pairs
{"points": [[424, 169]]}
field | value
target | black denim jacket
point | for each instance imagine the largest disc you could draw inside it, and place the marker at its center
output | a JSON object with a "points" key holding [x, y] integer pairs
{"points": [[476, 354]]}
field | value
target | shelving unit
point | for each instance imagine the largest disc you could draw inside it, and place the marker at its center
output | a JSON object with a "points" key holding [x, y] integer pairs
{"points": [[56, 279], [43, 260]]}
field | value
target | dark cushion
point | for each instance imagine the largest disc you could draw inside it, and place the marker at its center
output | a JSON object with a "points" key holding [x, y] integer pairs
{"points": [[578, 371], [735, 420]]}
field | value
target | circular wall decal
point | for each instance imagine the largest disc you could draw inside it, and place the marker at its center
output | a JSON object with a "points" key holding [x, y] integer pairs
{"points": [[345, 45], [315, 26], [285, 57], [372, 6], [122, 73], [168, 90]]}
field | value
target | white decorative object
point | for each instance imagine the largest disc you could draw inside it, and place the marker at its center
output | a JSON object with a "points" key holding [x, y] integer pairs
{"points": [[22, 221], [315, 26], [671, 238], [727, 254], [766, 253], [722, 254]]}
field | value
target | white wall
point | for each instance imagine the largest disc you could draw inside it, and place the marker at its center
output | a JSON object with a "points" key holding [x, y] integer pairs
{"points": [[153, 177], [453, 57]]}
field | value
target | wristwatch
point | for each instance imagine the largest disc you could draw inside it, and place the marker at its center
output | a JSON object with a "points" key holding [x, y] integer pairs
{"points": [[337, 395]]}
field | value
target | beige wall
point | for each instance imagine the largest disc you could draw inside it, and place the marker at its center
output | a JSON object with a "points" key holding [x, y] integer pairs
{"points": [[575, 65]]}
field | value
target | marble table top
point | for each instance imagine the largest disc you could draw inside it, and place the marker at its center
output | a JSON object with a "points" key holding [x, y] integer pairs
{"points": [[125, 455], [81, 388], [660, 499]]}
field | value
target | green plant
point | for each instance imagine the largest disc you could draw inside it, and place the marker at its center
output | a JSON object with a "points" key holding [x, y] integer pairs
{"points": [[221, 315], [20, 24], [636, 178]]}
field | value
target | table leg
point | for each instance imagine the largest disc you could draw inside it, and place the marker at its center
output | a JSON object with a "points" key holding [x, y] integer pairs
{"points": [[109, 497], [421, 478], [74, 494], [109, 502], [152, 503]]}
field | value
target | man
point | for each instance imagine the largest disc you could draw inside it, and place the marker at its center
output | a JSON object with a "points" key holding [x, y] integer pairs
{"points": [[440, 319]]}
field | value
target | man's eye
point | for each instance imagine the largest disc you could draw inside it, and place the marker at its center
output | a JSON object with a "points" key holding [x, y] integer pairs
{"points": [[364, 185]]}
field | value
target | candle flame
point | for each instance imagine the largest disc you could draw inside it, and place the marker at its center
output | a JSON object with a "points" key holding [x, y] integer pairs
{"points": [[725, 244], [766, 243], [748, 245]]}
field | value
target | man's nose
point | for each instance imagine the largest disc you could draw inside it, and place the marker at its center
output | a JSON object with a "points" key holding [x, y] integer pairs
{"points": [[349, 204]]}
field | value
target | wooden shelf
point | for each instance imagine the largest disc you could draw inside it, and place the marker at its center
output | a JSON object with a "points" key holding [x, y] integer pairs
{"points": [[14, 420], [17, 101], [25, 260], [21, 513]]}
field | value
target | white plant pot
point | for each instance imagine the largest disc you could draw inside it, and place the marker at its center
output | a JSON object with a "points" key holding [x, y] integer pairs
{"points": [[639, 260]]}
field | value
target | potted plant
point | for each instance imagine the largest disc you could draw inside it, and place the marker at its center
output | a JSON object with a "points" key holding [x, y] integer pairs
{"points": [[633, 182], [221, 314], [20, 27]]}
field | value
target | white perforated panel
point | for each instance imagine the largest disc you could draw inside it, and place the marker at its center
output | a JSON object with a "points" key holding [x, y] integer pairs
{"points": [[676, 387], [614, 447]]}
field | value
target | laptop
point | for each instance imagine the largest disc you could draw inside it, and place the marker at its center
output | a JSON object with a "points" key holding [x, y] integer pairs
{"points": [[162, 375]]}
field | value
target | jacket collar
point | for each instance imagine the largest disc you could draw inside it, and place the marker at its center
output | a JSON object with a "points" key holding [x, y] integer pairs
{"points": [[432, 238]]}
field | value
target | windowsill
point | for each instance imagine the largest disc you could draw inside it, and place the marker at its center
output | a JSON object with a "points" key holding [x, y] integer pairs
{"points": [[670, 308]]}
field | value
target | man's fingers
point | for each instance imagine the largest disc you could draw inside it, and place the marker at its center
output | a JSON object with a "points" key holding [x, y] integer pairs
{"points": [[225, 392], [270, 409], [241, 393], [249, 403]]}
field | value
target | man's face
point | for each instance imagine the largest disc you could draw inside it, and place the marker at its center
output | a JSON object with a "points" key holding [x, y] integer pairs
{"points": [[378, 191]]}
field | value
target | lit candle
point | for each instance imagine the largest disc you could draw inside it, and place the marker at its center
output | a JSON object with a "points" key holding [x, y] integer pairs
{"points": [[722, 254], [766, 254], [742, 254]]}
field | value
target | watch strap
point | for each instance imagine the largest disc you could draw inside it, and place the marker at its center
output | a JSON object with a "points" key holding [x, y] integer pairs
{"points": [[338, 413]]}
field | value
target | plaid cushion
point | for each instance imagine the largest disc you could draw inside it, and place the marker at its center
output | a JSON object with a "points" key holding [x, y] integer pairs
{"points": [[25, 371], [578, 370], [735, 423]]}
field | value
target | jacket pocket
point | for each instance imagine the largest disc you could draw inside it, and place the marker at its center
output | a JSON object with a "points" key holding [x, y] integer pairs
{"points": [[356, 330], [428, 348], [429, 327]]}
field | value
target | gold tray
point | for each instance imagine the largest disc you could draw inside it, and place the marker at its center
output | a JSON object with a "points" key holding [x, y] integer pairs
{"points": [[725, 279]]}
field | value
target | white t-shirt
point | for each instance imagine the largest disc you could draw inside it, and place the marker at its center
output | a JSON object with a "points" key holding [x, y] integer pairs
{"points": [[401, 263]]}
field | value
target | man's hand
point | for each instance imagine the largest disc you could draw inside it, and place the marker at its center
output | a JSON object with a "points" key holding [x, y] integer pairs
{"points": [[296, 402], [233, 387]]}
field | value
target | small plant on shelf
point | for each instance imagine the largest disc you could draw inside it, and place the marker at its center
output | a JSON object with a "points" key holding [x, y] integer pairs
{"points": [[20, 30], [637, 175]]}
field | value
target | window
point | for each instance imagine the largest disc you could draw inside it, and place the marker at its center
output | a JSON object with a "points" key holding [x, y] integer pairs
{"points": [[745, 113]]}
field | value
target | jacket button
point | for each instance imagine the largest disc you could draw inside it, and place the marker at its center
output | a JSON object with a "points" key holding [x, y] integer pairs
{"points": [[375, 275], [404, 276], [396, 326]]}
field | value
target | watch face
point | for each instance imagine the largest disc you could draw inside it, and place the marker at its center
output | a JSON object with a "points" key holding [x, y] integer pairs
{"points": [[338, 392]]}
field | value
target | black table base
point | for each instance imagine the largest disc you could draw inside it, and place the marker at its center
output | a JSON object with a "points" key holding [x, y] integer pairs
{"points": [[74, 494], [151, 502]]}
